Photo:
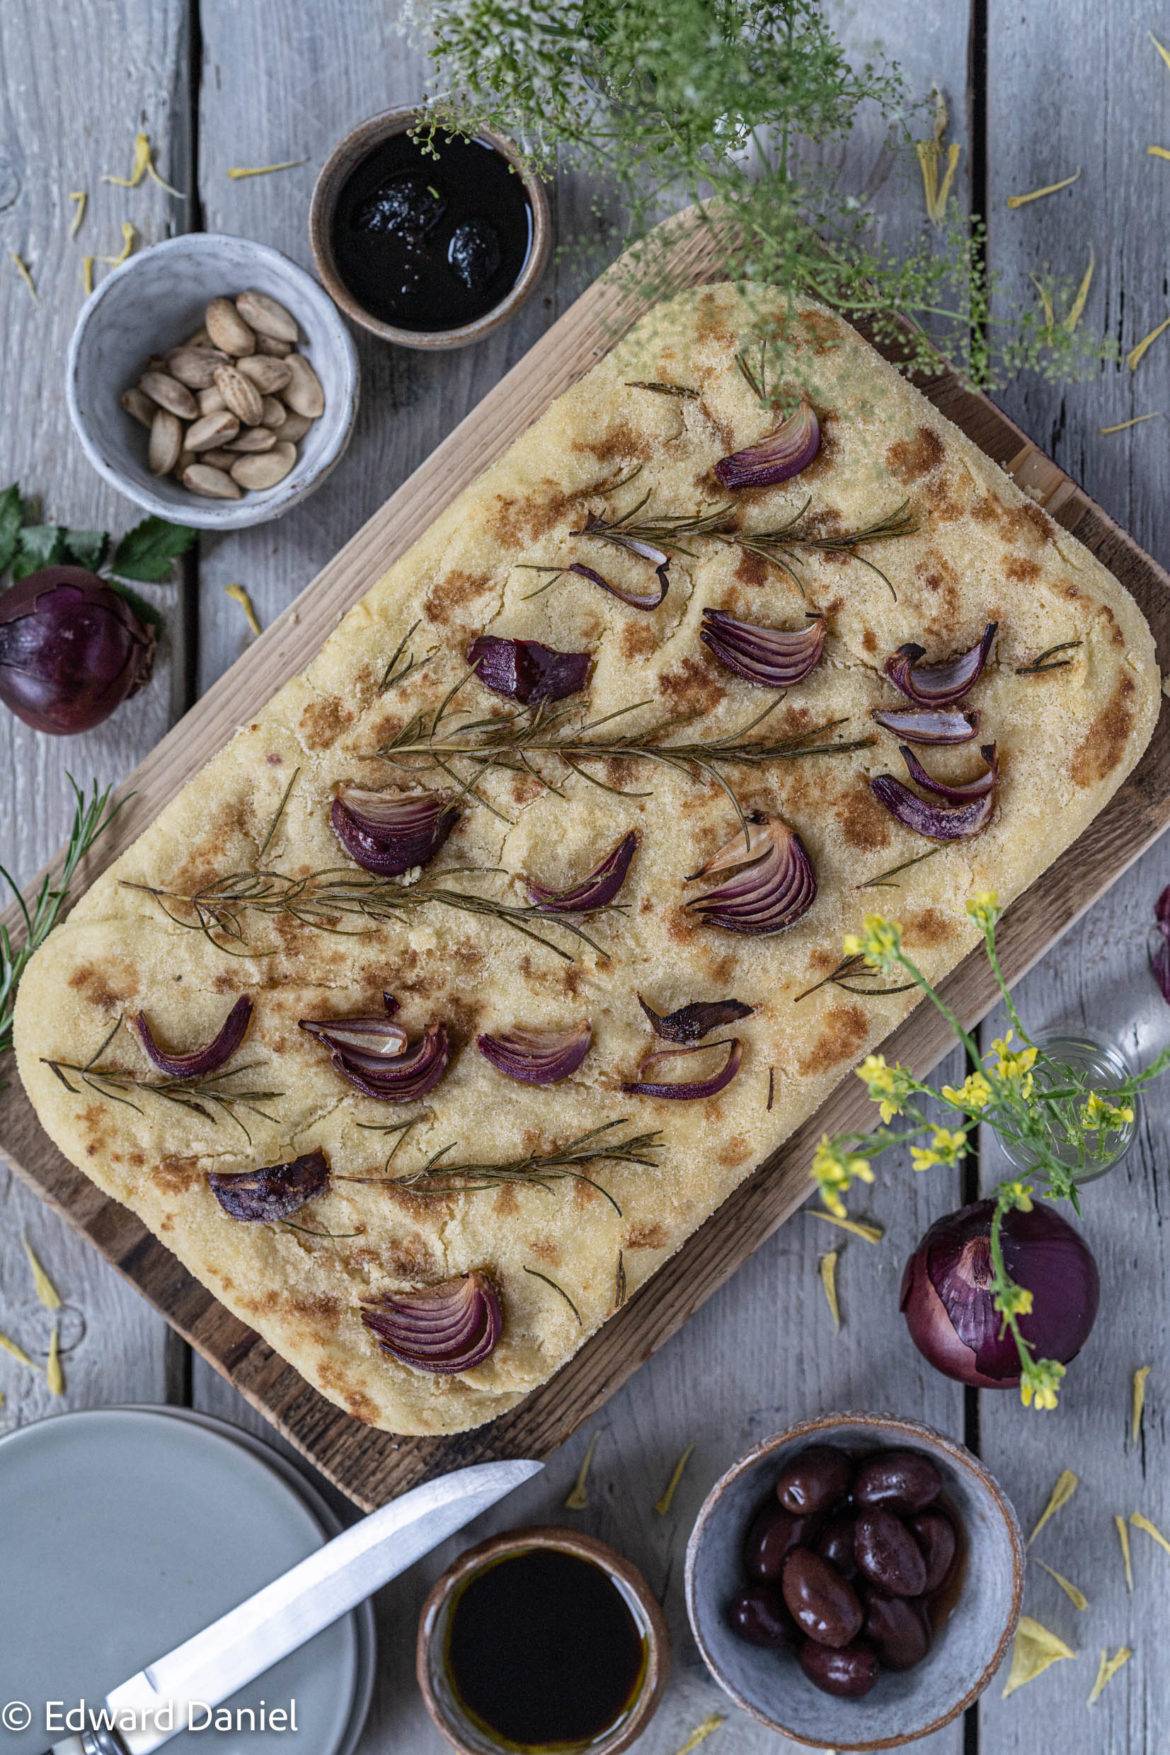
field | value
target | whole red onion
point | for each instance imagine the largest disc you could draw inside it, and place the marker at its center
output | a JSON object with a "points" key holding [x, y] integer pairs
{"points": [[71, 650], [948, 1307]]}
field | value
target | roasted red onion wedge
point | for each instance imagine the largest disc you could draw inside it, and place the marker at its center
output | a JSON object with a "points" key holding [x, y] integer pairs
{"points": [[938, 822], [775, 658], [944, 683], [690, 1023], [274, 1193], [960, 792], [526, 670], [649, 599], [377, 1069], [771, 882], [687, 1090], [929, 725], [199, 1061], [375, 1035], [778, 457], [445, 1328], [537, 1057], [390, 833], [595, 891]]}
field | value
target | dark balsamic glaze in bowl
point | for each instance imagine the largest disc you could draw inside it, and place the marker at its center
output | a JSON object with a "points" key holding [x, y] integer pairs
{"points": [[428, 243], [542, 1650]]}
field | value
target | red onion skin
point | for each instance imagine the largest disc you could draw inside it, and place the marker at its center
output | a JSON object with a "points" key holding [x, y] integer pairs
{"points": [[199, 1061], [527, 670], [1160, 945], [953, 1323], [71, 650], [268, 1195], [383, 854]]}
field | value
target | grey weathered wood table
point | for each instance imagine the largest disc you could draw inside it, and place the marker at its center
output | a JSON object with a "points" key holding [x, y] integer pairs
{"points": [[1037, 89]]}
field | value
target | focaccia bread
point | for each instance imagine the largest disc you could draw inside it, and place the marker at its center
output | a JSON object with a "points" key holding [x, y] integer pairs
{"points": [[562, 1252]]}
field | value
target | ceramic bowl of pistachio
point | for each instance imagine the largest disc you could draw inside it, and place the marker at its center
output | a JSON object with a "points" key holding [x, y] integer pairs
{"points": [[212, 381]]}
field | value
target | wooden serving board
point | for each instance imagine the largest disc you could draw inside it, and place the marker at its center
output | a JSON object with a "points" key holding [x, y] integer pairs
{"points": [[372, 1466]]}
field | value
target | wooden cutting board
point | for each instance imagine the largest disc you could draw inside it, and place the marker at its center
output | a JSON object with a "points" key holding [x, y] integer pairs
{"points": [[373, 1466]]}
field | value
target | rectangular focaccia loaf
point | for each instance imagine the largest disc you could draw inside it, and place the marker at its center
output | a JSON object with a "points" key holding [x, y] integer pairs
{"points": [[559, 1251]]}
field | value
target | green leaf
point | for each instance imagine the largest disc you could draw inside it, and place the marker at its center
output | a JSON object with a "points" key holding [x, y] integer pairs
{"points": [[147, 552], [146, 612], [86, 547], [38, 545], [11, 518]]}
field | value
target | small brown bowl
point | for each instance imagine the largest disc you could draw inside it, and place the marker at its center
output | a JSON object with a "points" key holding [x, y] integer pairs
{"points": [[459, 1730], [357, 145]]}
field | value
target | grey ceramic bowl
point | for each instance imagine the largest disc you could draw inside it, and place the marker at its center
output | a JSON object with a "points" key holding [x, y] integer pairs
{"points": [[149, 305], [967, 1650]]}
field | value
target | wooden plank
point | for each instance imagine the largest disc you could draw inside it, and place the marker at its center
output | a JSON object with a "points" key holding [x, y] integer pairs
{"points": [[372, 1466], [74, 89], [1096, 93]]}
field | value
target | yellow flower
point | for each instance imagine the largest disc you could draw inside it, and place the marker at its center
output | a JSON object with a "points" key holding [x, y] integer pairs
{"points": [[1017, 1194], [984, 909], [946, 1147], [1014, 1301], [1014, 1065], [835, 1170], [879, 944], [973, 1093], [1097, 1113], [1040, 1384], [888, 1086]]}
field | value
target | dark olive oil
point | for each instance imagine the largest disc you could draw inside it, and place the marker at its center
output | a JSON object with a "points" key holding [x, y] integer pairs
{"points": [[543, 1651], [431, 243]]}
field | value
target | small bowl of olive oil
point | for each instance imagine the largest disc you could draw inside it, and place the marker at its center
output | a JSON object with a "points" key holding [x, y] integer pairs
{"points": [[540, 1640]]}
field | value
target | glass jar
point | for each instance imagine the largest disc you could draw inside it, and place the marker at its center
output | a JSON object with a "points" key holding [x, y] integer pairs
{"points": [[1090, 1064]]}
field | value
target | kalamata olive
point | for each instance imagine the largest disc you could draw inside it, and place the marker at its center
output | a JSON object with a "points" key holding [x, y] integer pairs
{"points": [[835, 1544], [935, 1534], [824, 1605], [774, 1532], [849, 1672], [815, 1480], [898, 1628], [901, 1480], [757, 1613], [888, 1555]]}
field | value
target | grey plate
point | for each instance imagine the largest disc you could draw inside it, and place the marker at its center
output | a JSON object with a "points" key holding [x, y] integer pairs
{"points": [[129, 1529]]}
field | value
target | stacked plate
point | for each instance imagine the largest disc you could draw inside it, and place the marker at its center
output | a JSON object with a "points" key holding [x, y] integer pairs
{"points": [[126, 1530]]}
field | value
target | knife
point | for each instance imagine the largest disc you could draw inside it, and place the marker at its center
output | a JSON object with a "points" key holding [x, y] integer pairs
{"points": [[213, 1665]]}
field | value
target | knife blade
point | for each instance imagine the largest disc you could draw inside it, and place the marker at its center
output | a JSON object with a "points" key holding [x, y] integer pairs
{"points": [[210, 1667]]}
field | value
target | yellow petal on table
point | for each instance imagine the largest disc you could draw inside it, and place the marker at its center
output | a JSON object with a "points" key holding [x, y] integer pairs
{"points": [[1076, 1597], [45, 1290], [25, 273], [1035, 1650], [1137, 1402], [1038, 194], [54, 1376], [1077, 309], [827, 1268], [577, 1498], [1151, 1529], [1138, 352], [1121, 426], [1045, 298], [87, 274], [235, 172], [241, 595], [701, 1732], [129, 239], [1127, 1559], [855, 1227], [17, 1352], [662, 1505], [1066, 1485], [1107, 1669], [79, 197], [143, 166], [1165, 53], [1158, 151]]}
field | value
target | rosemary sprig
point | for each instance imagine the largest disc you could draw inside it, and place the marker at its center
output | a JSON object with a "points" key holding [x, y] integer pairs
{"points": [[784, 545], [756, 375], [1042, 661], [403, 663], [559, 1290], [685, 391], [537, 1170], [213, 1097], [852, 975], [513, 740], [882, 880], [323, 899], [92, 816]]}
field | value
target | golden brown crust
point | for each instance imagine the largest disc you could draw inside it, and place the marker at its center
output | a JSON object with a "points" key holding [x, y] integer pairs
{"points": [[981, 551]]}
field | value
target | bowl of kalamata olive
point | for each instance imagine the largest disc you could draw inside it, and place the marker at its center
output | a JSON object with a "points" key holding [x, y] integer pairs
{"points": [[855, 1582]]}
